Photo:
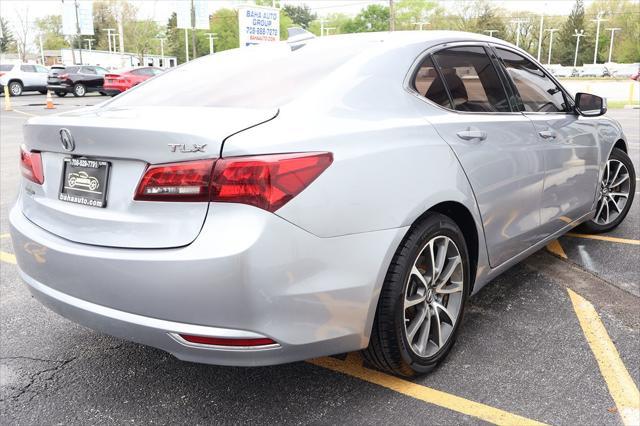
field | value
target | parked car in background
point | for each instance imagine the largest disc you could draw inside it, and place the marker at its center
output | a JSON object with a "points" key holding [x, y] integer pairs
{"points": [[118, 81], [627, 71], [594, 71], [23, 78], [78, 80], [563, 72]]}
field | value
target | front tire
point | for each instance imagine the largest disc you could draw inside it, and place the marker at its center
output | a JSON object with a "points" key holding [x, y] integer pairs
{"points": [[79, 90], [615, 193], [421, 304], [61, 94]]}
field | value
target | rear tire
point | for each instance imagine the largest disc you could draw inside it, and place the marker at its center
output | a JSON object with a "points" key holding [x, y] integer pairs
{"points": [[397, 343], [619, 177], [79, 90], [15, 88]]}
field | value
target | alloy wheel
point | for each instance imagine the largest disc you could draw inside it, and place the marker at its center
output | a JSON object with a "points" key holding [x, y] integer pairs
{"points": [[613, 192], [433, 296]]}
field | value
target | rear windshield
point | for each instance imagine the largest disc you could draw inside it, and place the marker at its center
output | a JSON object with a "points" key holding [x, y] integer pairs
{"points": [[252, 77], [6, 67]]}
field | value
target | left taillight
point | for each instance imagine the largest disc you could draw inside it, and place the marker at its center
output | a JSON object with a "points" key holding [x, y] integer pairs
{"points": [[264, 181], [187, 181], [31, 165]]}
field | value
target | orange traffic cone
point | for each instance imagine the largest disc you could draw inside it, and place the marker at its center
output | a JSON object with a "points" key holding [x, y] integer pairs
{"points": [[49, 101], [7, 99]]}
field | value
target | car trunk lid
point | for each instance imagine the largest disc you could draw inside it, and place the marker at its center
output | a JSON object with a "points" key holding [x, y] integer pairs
{"points": [[128, 139]]}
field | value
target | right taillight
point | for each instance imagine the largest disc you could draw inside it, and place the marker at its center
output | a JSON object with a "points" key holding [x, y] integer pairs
{"points": [[63, 76], [31, 165], [264, 181]]}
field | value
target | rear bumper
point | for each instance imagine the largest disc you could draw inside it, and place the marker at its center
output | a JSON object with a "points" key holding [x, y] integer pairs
{"points": [[249, 274], [111, 91], [58, 88]]}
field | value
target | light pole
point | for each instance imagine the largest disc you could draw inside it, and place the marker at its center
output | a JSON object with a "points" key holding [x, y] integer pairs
{"points": [[108, 30], [518, 22], [597, 20], [551, 31], [41, 49], [491, 32], [421, 24], [162, 39], [578, 35], [327, 29], [613, 31], [540, 35], [212, 36], [89, 41]]}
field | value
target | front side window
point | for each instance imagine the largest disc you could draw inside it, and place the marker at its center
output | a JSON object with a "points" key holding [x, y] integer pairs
{"points": [[537, 91], [42, 69], [466, 81]]}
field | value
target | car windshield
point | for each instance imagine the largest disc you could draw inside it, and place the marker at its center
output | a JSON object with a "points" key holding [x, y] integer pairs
{"points": [[6, 67], [252, 77]]}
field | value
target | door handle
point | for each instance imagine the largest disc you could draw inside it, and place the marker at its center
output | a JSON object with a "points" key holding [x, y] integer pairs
{"points": [[547, 134], [468, 135]]}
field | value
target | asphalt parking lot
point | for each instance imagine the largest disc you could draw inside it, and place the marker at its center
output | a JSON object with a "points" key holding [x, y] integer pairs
{"points": [[554, 340]]}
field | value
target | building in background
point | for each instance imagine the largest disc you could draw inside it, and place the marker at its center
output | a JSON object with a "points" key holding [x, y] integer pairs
{"points": [[107, 59]]}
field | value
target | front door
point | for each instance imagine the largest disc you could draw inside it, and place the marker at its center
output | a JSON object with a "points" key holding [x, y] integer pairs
{"points": [[571, 151], [498, 148]]}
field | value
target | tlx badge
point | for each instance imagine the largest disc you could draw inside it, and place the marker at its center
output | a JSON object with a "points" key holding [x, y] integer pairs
{"points": [[184, 148]]}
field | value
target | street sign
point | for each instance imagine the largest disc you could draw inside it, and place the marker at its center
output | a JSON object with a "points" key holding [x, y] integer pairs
{"points": [[82, 17], [258, 25], [201, 12]]}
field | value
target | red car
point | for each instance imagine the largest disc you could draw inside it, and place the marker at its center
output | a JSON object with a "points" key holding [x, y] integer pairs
{"points": [[119, 81]]}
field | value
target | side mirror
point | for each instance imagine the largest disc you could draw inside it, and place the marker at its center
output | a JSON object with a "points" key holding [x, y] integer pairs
{"points": [[590, 105]]}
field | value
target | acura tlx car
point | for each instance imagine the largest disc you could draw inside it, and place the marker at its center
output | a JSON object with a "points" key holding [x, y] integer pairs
{"points": [[277, 203]]}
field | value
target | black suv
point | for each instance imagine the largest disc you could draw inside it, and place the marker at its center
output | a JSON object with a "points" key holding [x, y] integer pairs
{"points": [[77, 79]]}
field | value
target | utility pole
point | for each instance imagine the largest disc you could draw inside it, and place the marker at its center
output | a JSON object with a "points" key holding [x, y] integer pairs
{"points": [[551, 31], [162, 39], [193, 29], [327, 29], [491, 32], [186, 45], [578, 35], [41, 49], [518, 22], [212, 36], [89, 41], [78, 36], [598, 20], [392, 16], [613, 31], [421, 24], [540, 35], [108, 30]]}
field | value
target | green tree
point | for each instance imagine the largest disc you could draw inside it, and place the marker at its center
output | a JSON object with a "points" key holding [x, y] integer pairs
{"points": [[623, 14], [300, 15], [7, 41], [374, 17], [50, 29], [104, 16], [411, 13], [337, 21], [140, 38], [565, 47], [224, 23]]}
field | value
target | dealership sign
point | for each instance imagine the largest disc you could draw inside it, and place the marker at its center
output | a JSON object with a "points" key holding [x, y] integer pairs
{"points": [[258, 25]]}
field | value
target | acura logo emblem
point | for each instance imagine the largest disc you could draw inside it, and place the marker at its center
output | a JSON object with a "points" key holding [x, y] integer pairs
{"points": [[67, 140]]}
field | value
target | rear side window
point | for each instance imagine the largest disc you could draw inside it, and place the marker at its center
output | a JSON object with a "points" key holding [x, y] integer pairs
{"points": [[428, 84], [88, 70], [6, 67], [27, 68], [470, 79], [71, 70], [537, 91]]}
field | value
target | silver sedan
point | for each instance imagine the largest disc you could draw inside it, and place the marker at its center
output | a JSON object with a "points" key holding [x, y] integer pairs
{"points": [[276, 203]]}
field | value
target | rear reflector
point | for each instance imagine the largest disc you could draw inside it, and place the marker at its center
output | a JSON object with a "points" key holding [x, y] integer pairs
{"points": [[31, 165], [217, 341], [188, 181], [266, 181]]}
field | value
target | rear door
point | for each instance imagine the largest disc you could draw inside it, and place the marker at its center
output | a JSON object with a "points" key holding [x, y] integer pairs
{"points": [[570, 142], [498, 149], [29, 76]]}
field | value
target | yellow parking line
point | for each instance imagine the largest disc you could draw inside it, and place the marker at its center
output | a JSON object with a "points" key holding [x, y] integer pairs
{"points": [[7, 257], [3, 236], [605, 238], [555, 248], [352, 366], [621, 386], [25, 113]]}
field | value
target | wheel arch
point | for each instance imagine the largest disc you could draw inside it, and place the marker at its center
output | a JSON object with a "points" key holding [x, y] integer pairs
{"points": [[621, 145]]}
